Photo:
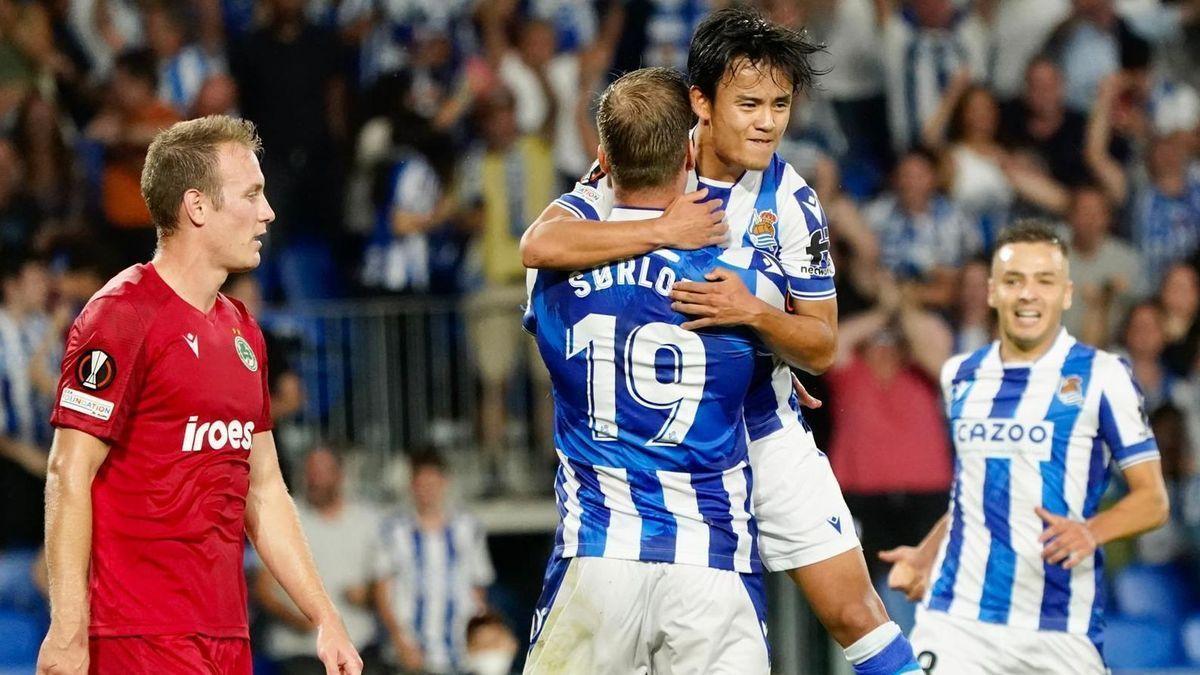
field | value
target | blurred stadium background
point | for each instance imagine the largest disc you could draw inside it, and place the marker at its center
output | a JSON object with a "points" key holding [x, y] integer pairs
{"points": [[409, 142]]}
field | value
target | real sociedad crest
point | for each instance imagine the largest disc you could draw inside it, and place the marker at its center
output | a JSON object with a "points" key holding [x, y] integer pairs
{"points": [[763, 232], [1070, 390]]}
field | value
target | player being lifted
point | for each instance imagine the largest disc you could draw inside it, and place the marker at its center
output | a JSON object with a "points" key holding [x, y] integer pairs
{"points": [[1036, 419], [163, 459], [744, 72]]}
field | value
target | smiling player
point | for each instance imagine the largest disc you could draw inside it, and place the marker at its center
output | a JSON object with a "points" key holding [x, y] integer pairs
{"points": [[1036, 419], [163, 459]]}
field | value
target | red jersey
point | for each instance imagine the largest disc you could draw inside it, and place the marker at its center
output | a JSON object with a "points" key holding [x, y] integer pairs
{"points": [[178, 394]]}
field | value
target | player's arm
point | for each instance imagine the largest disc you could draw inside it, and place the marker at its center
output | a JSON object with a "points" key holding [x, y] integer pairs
{"points": [[408, 649], [562, 240], [274, 529], [75, 457], [1146, 507]]}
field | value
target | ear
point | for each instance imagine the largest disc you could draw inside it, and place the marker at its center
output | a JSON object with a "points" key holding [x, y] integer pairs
{"points": [[1069, 296], [991, 298], [689, 162], [700, 105], [196, 206], [602, 159]]}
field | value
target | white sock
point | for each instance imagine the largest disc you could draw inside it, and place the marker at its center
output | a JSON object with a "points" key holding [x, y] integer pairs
{"points": [[872, 643]]}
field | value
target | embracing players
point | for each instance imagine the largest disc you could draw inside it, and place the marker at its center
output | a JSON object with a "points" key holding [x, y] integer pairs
{"points": [[163, 459], [1036, 420], [655, 562], [744, 72]]}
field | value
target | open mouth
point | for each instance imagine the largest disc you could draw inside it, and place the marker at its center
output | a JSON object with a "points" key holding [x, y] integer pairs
{"points": [[1027, 317]]}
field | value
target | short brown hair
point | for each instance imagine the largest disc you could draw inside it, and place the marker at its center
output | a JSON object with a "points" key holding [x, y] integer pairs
{"points": [[643, 120], [184, 157], [1030, 231]]}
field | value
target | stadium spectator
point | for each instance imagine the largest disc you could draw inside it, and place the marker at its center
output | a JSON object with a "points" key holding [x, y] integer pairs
{"points": [[1143, 341], [1109, 274], [51, 177], [922, 235], [20, 217], [491, 645], [1017, 33], [1179, 298], [183, 65], [921, 49], [1172, 543], [124, 128], [896, 477], [29, 347], [1044, 135], [1166, 206], [973, 322], [508, 180], [343, 535], [440, 569]]}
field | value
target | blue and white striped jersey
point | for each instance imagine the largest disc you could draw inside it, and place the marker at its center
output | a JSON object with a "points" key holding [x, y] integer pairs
{"points": [[1028, 435], [648, 416], [773, 211], [435, 575], [22, 408]]}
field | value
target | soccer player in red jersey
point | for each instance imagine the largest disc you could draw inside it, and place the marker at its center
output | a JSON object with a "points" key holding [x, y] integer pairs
{"points": [[163, 459]]}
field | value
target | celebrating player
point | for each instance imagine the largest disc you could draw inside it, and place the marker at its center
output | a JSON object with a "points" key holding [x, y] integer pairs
{"points": [[650, 433], [1017, 584], [744, 73], [163, 458]]}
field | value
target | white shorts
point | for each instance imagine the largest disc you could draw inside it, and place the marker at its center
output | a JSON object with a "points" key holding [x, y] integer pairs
{"points": [[601, 615], [952, 645], [802, 516]]}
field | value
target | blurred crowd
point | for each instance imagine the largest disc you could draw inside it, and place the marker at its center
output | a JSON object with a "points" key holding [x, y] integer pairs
{"points": [[408, 143]]}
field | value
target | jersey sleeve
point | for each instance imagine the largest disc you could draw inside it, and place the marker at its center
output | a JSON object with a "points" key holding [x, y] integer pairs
{"points": [[804, 242], [592, 198], [1124, 426], [264, 421], [102, 369]]}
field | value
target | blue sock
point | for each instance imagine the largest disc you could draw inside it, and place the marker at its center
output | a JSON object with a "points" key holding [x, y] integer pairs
{"points": [[896, 657]]}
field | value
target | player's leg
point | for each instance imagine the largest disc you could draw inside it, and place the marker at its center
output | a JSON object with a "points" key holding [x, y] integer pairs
{"points": [[806, 529], [590, 618], [704, 621], [948, 645]]}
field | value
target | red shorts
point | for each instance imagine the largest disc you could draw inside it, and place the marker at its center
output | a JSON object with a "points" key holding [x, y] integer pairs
{"points": [[183, 654]]}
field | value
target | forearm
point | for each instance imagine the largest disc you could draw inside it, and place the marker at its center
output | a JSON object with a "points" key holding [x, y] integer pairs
{"points": [[569, 243], [274, 529], [805, 342], [68, 546], [932, 541], [1137, 512]]}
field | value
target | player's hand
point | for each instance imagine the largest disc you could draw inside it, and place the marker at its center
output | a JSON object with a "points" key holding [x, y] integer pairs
{"points": [[690, 223], [335, 650], [721, 301], [1067, 542], [63, 653], [806, 399], [910, 571]]}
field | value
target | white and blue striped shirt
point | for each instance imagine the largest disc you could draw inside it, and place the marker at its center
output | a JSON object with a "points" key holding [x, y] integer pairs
{"points": [[774, 211], [435, 575], [1027, 435], [649, 417], [23, 412], [181, 77]]}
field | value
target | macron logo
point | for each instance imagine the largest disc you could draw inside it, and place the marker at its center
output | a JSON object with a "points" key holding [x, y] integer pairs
{"points": [[836, 522], [193, 342]]}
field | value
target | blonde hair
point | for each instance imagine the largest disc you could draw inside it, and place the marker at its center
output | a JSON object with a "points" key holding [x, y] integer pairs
{"points": [[183, 157]]}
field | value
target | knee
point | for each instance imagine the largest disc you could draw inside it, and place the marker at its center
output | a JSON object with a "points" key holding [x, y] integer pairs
{"points": [[854, 619]]}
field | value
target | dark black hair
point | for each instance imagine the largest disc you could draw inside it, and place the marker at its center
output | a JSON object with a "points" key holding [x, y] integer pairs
{"points": [[738, 32], [427, 458]]}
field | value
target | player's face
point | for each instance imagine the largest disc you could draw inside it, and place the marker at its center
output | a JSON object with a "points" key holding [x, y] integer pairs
{"points": [[428, 488], [748, 115], [236, 227], [1029, 290]]}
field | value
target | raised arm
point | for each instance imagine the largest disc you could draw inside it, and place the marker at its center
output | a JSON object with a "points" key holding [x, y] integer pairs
{"points": [[560, 240], [274, 529], [75, 457], [1104, 166]]}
